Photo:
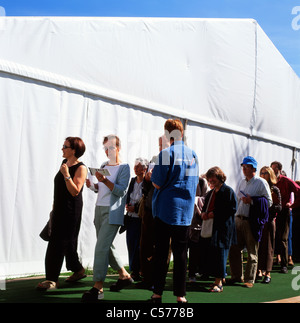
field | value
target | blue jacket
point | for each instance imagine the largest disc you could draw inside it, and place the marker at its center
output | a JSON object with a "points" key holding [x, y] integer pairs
{"points": [[118, 195], [177, 174]]}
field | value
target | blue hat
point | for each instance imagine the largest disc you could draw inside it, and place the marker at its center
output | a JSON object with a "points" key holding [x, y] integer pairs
{"points": [[249, 161]]}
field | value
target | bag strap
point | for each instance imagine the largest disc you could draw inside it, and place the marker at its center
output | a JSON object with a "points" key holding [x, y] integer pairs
{"points": [[209, 199]]}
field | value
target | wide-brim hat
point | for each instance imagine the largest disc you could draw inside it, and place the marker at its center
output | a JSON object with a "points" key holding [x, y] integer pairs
{"points": [[249, 161]]}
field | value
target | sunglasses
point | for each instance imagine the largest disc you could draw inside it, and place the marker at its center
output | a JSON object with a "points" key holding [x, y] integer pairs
{"points": [[265, 173], [65, 147]]}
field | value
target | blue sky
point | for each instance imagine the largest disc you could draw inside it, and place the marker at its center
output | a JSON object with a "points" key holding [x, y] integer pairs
{"points": [[274, 16]]}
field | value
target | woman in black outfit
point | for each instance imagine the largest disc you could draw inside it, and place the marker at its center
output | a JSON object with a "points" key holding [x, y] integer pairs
{"points": [[66, 216], [220, 204]]}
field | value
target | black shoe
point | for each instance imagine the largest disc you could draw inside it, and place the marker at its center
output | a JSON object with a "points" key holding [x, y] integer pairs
{"points": [[233, 281], [144, 285], [136, 277], [154, 300], [266, 280], [284, 270], [258, 277], [120, 284], [90, 296]]}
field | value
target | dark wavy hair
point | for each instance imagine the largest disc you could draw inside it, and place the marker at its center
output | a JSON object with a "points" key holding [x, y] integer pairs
{"points": [[77, 144], [216, 171]]}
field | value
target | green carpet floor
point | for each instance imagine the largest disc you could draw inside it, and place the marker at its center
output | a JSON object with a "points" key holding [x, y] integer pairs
{"points": [[23, 291]]}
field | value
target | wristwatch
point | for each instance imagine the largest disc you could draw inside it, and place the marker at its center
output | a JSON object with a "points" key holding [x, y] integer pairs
{"points": [[67, 178]]}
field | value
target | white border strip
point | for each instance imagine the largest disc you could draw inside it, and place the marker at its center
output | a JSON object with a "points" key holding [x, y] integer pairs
{"points": [[86, 88]]}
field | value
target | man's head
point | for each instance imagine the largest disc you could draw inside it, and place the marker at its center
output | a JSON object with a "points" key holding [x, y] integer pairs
{"points": [[277, 167], [249, 166], [163, 142]]}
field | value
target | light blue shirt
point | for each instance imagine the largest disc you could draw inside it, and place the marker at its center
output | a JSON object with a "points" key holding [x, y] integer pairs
{"points": [[256, 186]]}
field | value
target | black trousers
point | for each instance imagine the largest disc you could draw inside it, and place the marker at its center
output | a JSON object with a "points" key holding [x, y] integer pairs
{"points": [[296, 236], [282, 232], [147, 247], [56, 251], [179, 242]]}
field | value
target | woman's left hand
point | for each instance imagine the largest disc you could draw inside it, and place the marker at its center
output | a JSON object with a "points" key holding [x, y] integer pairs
{"points": [[210, 215], [64, 169], [129, 208]]}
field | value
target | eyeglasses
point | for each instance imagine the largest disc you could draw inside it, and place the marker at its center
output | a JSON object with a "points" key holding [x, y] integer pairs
{"points": [[109, 148], [265, 173], [65, 147], [246, 166]]}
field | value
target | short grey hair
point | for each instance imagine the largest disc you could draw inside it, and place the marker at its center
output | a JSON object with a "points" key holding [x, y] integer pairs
{"points": [[143, 161]]}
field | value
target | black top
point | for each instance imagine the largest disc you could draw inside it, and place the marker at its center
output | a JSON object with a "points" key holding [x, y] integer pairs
{"points": [[67, 208]]}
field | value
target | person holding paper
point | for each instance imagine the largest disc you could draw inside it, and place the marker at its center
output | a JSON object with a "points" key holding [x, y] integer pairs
{"points": [[254, 200], [109, 216]]}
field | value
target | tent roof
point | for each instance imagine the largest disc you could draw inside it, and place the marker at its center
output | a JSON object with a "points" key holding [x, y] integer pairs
{"points": [[220, 72]]}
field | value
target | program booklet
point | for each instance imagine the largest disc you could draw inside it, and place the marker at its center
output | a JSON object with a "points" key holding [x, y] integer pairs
{"points": [[103, 171]]}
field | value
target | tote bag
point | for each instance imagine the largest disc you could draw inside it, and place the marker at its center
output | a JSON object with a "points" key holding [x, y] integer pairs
{"points": [[207, 225]]}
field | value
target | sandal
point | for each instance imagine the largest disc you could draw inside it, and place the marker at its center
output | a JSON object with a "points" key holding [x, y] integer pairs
{"points": [[182, 300], [47, 285], [75, 277], [216, 289]]}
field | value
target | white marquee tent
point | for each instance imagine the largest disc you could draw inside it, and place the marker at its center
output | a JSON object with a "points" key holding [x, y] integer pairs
{"points": [[90, 77]]}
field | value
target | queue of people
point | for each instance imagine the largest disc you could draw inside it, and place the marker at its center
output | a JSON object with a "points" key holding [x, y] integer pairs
{"points": [[168, 209]]}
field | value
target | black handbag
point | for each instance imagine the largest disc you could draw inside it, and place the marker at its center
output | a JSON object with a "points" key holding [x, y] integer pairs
{"points": [[123, 228], [46, 232]]}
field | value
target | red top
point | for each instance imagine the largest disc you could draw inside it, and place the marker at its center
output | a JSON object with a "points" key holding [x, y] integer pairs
{"points": [[211, 205], [287, 186]]}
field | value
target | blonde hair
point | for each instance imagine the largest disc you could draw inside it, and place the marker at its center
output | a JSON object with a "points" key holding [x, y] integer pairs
{"points": [[273, 178]]}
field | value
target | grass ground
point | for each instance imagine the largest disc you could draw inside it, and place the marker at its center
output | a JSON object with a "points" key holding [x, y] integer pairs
{"points": [[23, 291]]}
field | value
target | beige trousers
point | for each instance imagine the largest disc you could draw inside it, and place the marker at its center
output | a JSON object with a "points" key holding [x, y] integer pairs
{"points": [[244, 239]]}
